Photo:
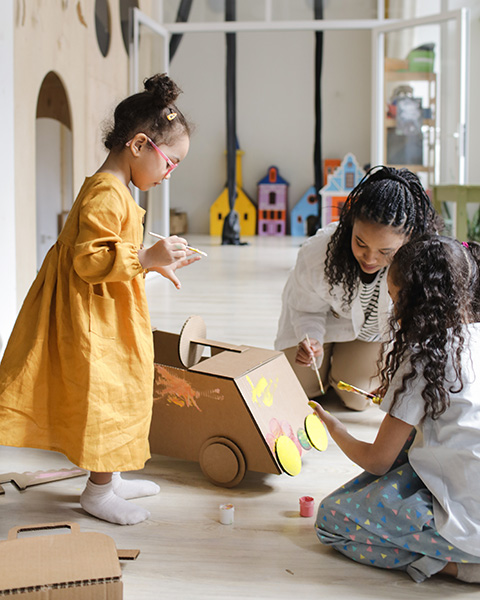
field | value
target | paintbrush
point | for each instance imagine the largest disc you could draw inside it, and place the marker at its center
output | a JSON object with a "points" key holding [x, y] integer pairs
{"points": [[162, 237], [351, 388], [315, 368]]}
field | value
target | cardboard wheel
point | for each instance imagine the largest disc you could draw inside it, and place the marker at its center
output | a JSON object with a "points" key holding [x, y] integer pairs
{"points": [[288, 455], [189, 352], [222, 462], [316, 432]]}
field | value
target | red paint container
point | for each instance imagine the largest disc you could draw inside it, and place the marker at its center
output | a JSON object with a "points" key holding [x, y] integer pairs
{"points": [[307, 506]]}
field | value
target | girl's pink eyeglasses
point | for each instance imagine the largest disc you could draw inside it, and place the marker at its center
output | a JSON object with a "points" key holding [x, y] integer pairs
{"points": [[170, 165]]}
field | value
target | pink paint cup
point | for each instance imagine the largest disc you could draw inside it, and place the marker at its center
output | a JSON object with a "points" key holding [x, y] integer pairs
{"points": [[307, 506]]}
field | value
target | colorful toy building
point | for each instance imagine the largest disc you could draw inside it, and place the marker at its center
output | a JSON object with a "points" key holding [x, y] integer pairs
{"points": [[304, 212], [245, 207], [340, 183], [272, 204]]}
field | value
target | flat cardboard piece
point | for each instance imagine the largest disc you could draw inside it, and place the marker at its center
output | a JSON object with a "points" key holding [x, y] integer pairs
{"points": [[27, 479], [71, 565], [233, 365], [227, 410]]}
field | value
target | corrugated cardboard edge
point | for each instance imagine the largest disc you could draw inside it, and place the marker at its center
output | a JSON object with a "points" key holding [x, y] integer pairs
{"points": [[47, 563]]}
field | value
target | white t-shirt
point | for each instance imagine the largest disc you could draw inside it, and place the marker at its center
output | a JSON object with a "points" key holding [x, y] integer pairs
{"points": [[446, 452]]}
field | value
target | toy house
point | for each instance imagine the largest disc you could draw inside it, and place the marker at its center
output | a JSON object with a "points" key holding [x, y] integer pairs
{"points": [[340, 183], [244, 205], [329, 166], [272, 204], [304, 213], [242, 408]]}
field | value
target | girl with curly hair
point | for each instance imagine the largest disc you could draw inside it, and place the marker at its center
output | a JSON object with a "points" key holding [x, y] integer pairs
{"points": [[77, 374], [415, 508], [335, 304]]}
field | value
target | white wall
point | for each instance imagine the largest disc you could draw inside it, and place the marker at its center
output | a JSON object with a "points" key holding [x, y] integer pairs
{"points": [[275, 96], [54, 191], [275, 106], [8, 297], [60, 37]]}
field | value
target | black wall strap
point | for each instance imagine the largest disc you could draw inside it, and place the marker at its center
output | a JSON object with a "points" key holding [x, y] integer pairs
{"points": [[317, 157], [182, 17]]}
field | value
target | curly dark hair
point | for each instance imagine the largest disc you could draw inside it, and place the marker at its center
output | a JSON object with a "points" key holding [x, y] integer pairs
{"points": [[148, 112], [386, 196], [438, 285]]}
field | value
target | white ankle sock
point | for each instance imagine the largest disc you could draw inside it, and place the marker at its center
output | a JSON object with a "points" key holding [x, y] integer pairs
{"points": [[133, 488], [469, 572], [101, 502]]}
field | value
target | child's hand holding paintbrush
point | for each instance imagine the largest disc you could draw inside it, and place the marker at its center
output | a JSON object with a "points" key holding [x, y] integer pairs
{"points": [[168, 255]]}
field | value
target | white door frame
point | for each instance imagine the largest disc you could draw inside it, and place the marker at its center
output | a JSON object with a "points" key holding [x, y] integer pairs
{"points": [[461, 19], [137, 18]]}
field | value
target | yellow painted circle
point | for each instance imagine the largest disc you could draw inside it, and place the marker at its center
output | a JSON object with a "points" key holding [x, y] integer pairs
{"points": [[316, 432], [288, 455]]}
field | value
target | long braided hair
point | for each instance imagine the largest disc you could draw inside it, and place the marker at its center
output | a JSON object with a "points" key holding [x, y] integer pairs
{"points": [[386, 196], [438, 288]]}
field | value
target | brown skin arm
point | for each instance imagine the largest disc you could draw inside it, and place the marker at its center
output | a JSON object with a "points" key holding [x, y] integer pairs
{"points": [[377, 457]]}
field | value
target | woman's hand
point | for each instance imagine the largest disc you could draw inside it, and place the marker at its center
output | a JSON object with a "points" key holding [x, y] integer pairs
{"points": [[309, 353], [169, 270], [165, 252]]}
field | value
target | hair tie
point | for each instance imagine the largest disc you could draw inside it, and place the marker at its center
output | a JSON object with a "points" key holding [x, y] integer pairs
{"points": [[465, 244], [171, 115]]}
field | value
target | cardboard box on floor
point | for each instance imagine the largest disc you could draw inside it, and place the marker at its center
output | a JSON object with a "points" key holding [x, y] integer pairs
{"points": [[240, 409], [73, 566]]}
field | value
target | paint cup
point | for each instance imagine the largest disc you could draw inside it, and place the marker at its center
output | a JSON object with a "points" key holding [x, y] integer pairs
{"points": [[227, 512], [307, 505]]}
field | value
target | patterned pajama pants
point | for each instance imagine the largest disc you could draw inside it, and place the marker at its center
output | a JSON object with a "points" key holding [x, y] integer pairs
{"points": [[387, 522]]}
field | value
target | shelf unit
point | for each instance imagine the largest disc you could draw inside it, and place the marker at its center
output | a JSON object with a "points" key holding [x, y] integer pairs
{"points": [[424, 86]]}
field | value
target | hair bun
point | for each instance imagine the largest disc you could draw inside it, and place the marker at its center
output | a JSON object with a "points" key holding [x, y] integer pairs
{"points": [[163, 88]]}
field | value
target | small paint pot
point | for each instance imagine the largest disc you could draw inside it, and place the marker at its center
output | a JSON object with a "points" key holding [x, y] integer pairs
{"points": [[307, 505], [227, 512]]}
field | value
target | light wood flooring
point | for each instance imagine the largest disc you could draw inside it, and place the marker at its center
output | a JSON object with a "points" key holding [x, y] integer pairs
{"points": [[186, 553]]}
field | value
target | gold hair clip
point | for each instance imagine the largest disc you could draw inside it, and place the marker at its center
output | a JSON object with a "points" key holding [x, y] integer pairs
{"points": [[171, 116]]}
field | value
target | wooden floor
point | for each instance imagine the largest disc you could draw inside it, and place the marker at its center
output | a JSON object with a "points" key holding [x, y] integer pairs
{"points": [[186, 553]]}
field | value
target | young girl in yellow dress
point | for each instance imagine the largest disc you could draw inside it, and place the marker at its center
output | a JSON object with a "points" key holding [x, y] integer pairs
{"points": [[77, 374]]}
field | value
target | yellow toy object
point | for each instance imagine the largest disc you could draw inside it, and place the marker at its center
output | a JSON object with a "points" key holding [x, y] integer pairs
{"points": [[246, 209], [351, 388], [288, 455], [316, 432]]}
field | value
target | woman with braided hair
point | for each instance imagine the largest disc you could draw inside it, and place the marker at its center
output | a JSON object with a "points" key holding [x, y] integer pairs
{"points": [[335, 304]]}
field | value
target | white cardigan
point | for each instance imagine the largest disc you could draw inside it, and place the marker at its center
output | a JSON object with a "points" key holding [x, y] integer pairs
{"points": [[309, 307]]}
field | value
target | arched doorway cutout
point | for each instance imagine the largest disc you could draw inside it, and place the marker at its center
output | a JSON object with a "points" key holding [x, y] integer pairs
{"points": [[54, 162]]}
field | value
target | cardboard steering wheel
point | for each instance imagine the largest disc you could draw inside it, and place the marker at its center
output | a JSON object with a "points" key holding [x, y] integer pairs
{"points": [[189, 351]]}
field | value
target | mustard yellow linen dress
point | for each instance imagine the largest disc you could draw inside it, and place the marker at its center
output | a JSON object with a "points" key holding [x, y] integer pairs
{"points": [[77, 374]]}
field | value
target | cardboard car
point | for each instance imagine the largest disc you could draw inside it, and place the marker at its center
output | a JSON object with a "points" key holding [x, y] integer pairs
{"points": [[240, 408]]}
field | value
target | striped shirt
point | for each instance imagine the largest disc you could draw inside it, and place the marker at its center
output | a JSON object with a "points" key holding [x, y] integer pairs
{"points": [[369, 294]]}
